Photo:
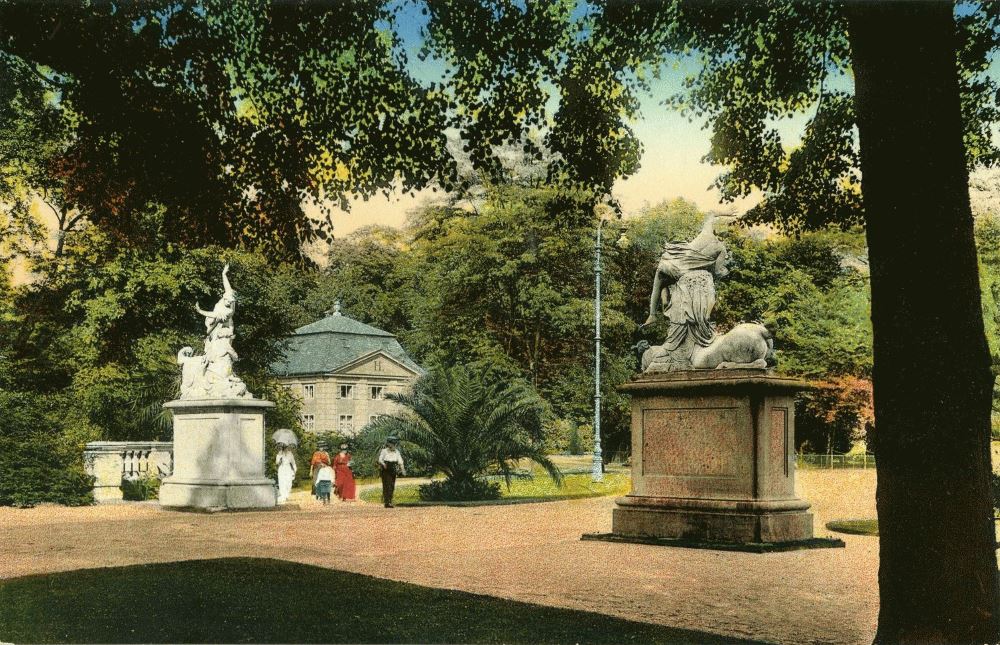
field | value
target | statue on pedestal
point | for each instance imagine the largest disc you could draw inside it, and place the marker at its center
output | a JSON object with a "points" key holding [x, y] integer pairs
{"points": [[684, 293], [210, 375]]}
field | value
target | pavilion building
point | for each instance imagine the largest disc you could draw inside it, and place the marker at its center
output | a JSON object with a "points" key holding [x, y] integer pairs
{"points": [[342, 369]]}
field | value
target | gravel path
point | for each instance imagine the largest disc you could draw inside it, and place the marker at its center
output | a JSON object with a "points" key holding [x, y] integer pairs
{"points": [[527, 552]]}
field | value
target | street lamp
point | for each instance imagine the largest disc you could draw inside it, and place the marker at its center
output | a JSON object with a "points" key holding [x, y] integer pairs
{"points": [[597, 470]]}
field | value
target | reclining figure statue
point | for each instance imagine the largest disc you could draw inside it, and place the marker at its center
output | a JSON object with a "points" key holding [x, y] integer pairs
{"points": [[684, 292]]}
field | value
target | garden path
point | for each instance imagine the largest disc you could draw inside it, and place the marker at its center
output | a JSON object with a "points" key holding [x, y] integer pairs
{"points": [[526, 552]]}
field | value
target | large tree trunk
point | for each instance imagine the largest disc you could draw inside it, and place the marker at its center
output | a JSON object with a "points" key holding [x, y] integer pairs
{"points": [[932, 380]]}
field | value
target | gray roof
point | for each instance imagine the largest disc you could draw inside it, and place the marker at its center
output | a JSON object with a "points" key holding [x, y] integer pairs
{"points": [[334, 342]]}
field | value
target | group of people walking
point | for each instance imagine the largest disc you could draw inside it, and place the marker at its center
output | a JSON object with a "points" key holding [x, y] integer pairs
{"points": [[332, 475], [335, 475]]}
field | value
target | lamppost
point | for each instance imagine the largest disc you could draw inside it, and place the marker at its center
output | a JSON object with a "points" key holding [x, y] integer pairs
{"points": [[597, 470]]}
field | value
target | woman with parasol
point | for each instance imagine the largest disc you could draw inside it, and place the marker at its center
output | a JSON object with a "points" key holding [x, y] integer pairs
{"points": [[285, 459]]}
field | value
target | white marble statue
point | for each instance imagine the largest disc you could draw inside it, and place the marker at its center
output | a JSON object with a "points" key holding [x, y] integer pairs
{"points": [[210, 375], [684, 293]]}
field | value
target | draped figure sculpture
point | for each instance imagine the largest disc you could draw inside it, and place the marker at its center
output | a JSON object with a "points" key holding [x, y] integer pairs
{"points": [[210, 375], [684, 293]]}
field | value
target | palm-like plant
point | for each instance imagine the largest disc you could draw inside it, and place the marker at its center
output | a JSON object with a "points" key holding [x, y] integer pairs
{"points": [[459, 425]]}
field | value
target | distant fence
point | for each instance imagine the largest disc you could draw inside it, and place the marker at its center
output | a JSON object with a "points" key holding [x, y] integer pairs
{"points": [[861, 460]]}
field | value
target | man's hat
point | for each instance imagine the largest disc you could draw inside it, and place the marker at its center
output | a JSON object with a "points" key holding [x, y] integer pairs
{"points": [[392, 439]]}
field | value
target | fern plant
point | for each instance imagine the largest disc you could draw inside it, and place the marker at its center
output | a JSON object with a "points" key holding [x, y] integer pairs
{"points": [[458, 424]]}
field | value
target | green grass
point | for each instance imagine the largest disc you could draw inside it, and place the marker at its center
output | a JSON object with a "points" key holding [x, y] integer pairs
{"points": [[539, 488], [854, 527], [243, 600]]}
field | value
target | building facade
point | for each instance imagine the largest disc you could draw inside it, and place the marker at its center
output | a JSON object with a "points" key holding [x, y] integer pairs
{"points": [[342, 369]]}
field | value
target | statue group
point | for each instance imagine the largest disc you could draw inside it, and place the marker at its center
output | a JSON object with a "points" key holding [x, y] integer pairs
{"points": [[210, 375], [684, 293]]}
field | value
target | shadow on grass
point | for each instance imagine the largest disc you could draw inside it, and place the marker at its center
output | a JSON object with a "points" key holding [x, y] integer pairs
{"points": [[240, 600]]}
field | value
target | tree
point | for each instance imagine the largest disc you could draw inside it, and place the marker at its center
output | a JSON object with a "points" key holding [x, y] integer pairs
{"points": [[462, 425], [103, 324], [363, 272], [937, 577], [233, 115]]}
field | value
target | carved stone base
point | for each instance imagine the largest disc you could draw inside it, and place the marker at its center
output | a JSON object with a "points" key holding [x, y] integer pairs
{"points": [[728, 522], [713, 459], [218, 456], [217, 495]]}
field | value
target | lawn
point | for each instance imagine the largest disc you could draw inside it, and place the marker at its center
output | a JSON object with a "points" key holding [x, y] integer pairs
{"points": [[539, 488], [854, 527], [241, 600]]}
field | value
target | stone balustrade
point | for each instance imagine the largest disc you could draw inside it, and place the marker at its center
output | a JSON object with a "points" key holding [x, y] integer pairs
{"points": [[111, 462]]}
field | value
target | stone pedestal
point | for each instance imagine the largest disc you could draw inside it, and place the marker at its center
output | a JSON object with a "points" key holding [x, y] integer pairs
{"points": [[218, 456], [713, 459]]}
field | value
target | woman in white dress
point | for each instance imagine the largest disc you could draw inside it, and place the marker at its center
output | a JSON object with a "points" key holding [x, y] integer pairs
{"points": [[286, 472]]}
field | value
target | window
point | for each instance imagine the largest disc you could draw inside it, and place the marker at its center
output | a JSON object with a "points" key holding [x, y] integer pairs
{"points": [[309, 391], [378, 365], [373, 418], [308, 421], [377, 392], [347, 391], [346, 424]]}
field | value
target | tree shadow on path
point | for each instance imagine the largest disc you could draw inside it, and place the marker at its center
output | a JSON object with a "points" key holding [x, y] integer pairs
{"points": [[240, 600]]}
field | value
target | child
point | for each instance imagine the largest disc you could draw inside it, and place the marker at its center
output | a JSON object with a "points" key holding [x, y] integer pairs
{"points": [[324, 483]]}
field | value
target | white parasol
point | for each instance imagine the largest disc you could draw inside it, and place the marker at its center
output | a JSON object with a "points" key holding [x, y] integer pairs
{"points": [[285, 436]]}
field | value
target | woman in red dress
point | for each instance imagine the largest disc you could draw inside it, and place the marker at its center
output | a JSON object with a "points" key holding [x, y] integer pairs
{"points": [[344, 478]]}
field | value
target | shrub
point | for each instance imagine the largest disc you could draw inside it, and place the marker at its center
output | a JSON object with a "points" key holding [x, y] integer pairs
{"points": [[463, 424], [566, 437], [575, 444], [459, 490], [140, 489], [38, 463], [366, 446]]}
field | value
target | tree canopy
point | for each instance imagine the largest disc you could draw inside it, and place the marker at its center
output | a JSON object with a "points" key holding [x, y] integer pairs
{"points": [[236, 116]]}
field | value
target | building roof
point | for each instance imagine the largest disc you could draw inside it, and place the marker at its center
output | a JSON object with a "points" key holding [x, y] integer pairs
{"points": [[335, 342]]}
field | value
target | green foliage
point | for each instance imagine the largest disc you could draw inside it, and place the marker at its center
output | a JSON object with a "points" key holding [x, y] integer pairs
{"points": [[461, 424], [103, 324], [140, 489], [40, 461], [363, 273], [169, 95], [833, 415], [458, 490], [524, 489], [285, 414], [567, 437], [988, 247], [854, 527]]}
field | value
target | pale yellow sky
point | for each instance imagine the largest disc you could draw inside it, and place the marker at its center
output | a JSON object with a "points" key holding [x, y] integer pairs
{"points": [[673, 148]]}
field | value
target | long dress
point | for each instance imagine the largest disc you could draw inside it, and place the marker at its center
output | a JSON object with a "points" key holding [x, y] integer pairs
{"points": [[344, 484], [286, 474]]}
